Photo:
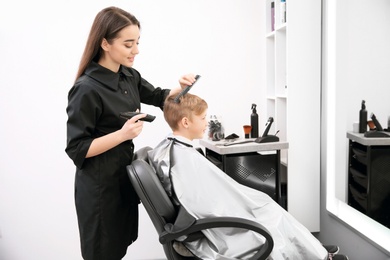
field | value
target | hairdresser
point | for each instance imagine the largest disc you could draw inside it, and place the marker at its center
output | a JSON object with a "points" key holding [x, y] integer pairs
{"points": [[100, 142]]}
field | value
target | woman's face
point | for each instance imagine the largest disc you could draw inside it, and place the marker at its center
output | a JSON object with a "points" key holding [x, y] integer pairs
{"points": [[122, 50]]}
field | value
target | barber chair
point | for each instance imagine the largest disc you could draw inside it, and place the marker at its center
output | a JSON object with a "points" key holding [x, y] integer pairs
{"points": [[173, 223]]}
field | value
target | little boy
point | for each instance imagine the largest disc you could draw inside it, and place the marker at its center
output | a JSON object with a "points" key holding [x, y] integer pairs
{"points": [[205, 191]]}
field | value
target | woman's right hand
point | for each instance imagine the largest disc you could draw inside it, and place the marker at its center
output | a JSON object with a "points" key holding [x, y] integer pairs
{"points": [[133, 127]]}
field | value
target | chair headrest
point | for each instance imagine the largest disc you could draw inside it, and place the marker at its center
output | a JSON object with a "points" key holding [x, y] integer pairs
{"points": [[142, 153]]}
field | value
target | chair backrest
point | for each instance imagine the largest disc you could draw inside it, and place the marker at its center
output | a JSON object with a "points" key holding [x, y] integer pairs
{"points": [[154, 198], [151, 193]]}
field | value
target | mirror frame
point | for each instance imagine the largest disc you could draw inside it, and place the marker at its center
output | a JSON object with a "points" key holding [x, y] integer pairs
{"points": [[371, 230]]}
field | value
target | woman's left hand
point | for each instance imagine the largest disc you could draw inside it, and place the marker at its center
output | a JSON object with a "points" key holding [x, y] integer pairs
{"points": [[187, 80]]}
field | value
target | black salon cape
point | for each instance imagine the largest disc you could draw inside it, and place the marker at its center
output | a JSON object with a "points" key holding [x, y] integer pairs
{"points": [[106, 204]]}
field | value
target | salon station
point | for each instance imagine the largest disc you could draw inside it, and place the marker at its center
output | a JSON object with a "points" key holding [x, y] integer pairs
{"points": [[297, 95]]}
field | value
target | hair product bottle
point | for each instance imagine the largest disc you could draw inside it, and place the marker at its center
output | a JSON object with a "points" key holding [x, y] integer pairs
{"points": [[254, 122], [272, 16], [363, 118], [283, 10]]}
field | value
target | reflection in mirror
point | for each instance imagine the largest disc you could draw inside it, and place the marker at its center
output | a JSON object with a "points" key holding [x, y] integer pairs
{"points": [[356, 67]]}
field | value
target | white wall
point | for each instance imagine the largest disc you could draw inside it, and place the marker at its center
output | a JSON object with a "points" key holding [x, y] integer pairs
{"points": [[41, 43]]}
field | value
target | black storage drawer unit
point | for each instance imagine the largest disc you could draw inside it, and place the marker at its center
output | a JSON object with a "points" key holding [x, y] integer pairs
{"points": [[251, 169], [369, 180]]}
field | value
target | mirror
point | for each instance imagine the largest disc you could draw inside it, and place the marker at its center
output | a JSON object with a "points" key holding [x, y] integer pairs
{"points": [[356, 67]]}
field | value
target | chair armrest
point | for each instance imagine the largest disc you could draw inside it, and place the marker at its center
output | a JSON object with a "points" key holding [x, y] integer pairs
{"points": [[216, 222]]}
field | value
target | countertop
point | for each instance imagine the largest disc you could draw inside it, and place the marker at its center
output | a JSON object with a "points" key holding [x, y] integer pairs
{"points": [[357, 137], [218, 146]]}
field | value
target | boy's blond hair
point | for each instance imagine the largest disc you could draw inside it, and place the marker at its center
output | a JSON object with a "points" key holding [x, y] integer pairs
{"points": [[187, 106]]}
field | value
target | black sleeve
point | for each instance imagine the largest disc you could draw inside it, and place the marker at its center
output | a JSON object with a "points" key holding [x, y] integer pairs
{"points": [[148, 93], [83, 110]]}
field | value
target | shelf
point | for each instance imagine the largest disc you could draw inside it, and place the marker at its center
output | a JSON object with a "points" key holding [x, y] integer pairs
{"points": [[276, 79], [290, 72], [281, 27], [270, 35]]}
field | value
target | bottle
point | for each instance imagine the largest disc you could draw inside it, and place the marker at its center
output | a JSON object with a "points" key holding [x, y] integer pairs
{"points": [[272, 16], [363, 118], [254, 122], [283, 11]]}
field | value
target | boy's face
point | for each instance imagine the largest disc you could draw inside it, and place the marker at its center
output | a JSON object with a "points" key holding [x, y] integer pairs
{"points": [[198, 125]]}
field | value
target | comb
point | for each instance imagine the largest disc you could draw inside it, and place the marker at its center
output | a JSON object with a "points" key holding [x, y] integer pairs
{"points": [[185, 90]]}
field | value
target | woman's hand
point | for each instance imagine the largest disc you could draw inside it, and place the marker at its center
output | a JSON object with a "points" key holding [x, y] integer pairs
{"points": [[133, 127], [130, 130], [187, 80], [184, 81]]}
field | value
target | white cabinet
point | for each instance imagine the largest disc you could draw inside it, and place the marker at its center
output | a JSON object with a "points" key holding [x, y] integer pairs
{"points": [[293, 71]]}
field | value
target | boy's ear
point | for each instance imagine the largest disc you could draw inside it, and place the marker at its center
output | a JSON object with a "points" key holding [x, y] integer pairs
{"points": [[184, 122]]}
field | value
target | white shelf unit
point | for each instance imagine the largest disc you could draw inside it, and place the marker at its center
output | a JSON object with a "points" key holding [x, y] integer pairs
{"points": [[293, 85], [276, 75]]}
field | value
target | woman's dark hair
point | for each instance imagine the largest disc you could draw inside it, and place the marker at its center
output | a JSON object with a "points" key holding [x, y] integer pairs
{"points": [[107, 24]]}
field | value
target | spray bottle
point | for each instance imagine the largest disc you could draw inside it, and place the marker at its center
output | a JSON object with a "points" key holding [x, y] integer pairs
{"points": [[254, 122], [363, 118]]}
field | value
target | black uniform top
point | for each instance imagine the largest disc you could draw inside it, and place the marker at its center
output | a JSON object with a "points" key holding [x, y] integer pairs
{"points": [[106, 204]]}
